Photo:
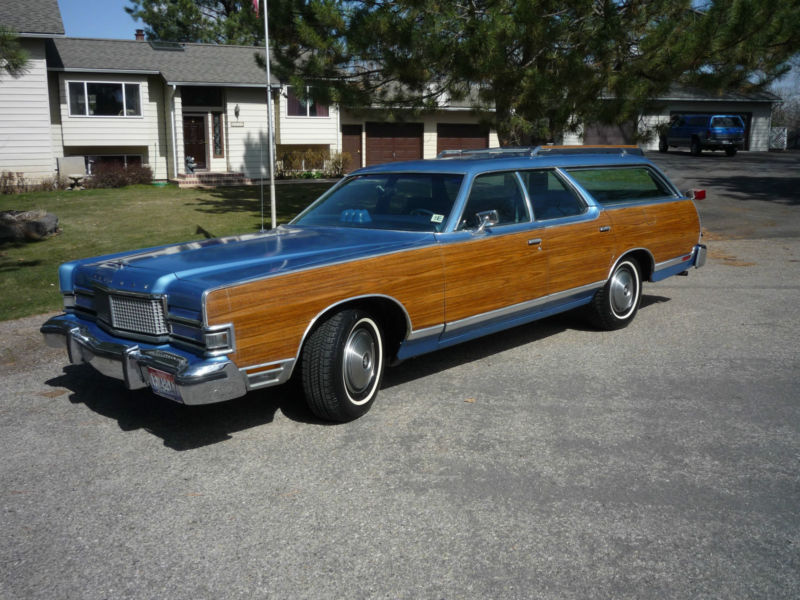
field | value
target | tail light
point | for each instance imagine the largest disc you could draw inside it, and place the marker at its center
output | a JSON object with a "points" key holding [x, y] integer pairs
{"points": [[697, 194]]}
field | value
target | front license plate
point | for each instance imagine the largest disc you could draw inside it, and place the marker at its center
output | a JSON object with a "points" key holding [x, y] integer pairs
{"points": [[163, 384]]}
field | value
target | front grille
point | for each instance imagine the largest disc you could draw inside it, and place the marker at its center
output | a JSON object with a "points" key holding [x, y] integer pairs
{"points": [[139, 315]]}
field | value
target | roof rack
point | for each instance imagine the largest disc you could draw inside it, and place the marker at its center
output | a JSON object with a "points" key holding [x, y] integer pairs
{"points": [[534, 151]]}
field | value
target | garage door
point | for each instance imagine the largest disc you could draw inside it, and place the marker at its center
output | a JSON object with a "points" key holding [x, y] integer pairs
{"points": [[461, 136], [391, 142], [608, 134]]}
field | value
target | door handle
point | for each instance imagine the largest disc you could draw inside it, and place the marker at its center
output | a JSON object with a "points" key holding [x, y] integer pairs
{"points": [[535, 242], [605, 228]]}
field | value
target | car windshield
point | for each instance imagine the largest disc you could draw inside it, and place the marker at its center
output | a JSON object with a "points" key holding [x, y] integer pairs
{"points": [[399, 201]]}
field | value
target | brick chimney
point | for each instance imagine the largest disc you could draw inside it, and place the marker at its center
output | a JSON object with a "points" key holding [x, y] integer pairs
{"points": [[140, 35]]}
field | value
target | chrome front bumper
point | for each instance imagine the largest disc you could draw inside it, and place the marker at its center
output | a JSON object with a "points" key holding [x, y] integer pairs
{"points": [[196, 380]]}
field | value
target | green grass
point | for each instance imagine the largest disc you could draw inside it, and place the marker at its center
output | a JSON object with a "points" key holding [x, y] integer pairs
{"points": [[96, 222]]}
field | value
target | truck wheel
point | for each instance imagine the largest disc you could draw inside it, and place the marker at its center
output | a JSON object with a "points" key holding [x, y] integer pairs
{"points": [[662, 144], [616, 304], [730, 151], [695, 148], [342, 365]]}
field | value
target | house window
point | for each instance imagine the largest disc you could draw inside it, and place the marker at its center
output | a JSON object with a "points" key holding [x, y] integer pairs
{"points": [[217, 134], [87, 98], [295, 107]]}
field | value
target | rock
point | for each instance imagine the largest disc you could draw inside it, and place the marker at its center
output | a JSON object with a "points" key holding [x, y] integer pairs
{"points": [[19, 226]]}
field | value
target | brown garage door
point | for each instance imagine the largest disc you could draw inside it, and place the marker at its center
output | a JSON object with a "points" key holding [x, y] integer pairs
{"points": [[608, 134], [391, 142], [461, 136]]}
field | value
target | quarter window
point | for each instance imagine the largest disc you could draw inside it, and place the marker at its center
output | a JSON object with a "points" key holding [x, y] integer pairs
{"points": [[88, 98], [621, 185]]}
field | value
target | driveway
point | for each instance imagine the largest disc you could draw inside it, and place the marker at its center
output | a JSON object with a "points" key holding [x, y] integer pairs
{"points": [[551, 461]]}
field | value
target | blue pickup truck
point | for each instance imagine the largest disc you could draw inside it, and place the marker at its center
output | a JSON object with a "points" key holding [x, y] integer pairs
{"points": [[704, 132]]}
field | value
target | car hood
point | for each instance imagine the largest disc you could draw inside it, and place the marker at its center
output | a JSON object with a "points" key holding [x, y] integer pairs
{"points": [[222, 261]]}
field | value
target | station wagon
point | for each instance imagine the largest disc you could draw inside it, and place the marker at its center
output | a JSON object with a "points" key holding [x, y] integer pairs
{"points": [[395, 261]]}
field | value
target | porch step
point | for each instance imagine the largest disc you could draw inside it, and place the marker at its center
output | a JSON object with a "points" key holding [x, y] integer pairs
{"points": [[211, 179]]}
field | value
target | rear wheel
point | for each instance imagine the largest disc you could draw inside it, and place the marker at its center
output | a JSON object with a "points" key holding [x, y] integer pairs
{"points": [[662, 144], [730, 151], [615, 306], [342, 365], [695, 147]]}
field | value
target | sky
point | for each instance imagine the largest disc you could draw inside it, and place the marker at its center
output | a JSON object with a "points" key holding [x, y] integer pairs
{"points": [[98, 19]]}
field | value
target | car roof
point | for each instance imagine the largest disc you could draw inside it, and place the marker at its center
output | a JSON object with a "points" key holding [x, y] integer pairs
{"points": [[512, 159]]}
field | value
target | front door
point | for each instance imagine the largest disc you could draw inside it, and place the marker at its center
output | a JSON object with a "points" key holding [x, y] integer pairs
{"points": [[351, 143], [194, 139]]}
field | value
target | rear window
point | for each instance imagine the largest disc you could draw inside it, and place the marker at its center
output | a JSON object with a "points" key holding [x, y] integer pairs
{"points": [[630, 184], [726, 122]]}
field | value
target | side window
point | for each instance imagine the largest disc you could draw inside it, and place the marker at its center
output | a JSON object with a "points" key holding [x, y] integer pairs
{"points": [[620, 185], [495, 191], [551, 198]]}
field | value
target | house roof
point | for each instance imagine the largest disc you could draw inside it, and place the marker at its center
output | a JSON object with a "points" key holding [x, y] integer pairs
{"points": [[194, 64], [677, 92], [32, 17]]}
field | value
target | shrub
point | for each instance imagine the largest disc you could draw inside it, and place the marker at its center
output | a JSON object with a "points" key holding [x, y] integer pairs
{"points": [[114, 175], [338, 164]]}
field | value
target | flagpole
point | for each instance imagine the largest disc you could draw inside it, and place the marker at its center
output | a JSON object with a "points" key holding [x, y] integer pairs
{"points": [[270, 121]]}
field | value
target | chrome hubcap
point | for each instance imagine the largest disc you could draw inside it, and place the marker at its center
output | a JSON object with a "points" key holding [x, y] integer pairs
{"points": [[359, 361], [623, 292]]}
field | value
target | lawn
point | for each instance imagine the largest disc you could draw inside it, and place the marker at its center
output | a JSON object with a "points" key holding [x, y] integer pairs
{"points": [[95, 222]]}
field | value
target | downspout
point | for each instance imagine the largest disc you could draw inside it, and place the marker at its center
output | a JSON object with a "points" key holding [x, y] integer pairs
{"points": [[174, 135]]}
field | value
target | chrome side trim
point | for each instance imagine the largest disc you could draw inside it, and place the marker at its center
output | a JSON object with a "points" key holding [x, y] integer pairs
{"points": [[426, 332], [521, 307], [685, 258]]}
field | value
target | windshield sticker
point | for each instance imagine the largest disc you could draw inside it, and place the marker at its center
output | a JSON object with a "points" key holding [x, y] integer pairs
{"points": [[437, 218]]}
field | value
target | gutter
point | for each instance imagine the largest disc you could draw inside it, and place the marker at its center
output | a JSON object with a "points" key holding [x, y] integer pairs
{"points": [[174, 134]]}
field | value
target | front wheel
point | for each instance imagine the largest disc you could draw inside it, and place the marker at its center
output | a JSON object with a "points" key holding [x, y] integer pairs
{"points": [[616, 304], [342, 365], [695, 148], [730, 151], [662, 145]]}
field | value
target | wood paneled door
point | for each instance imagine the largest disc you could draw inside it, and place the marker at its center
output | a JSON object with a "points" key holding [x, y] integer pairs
{"points": [[195, 142]]}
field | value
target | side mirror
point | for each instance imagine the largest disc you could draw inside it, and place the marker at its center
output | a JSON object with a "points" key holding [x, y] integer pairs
{"points": [[487, 218], [696, 194]]}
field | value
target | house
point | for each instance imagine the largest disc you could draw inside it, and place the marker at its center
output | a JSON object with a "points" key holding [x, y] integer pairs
{"points": [[26, 140], [159, 103]]}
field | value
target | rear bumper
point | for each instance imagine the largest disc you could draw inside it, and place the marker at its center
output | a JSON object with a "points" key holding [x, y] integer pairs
{"points": [[714, 144], [196, 380]]}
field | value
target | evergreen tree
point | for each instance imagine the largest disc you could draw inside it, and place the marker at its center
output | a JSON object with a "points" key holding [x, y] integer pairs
{"points": [[13, 58], [537, 68]]}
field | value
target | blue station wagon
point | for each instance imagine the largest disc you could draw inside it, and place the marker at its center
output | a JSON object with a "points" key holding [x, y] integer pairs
{"points": [[395, 261]]}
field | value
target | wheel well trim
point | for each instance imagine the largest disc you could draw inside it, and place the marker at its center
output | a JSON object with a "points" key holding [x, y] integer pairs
{"points": [[340, 303], [627, 254]]}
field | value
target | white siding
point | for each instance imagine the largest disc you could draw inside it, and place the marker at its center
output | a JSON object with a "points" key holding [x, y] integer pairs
{"points": [[25, 134], [248, 148], [307, 131], [94, 134]]}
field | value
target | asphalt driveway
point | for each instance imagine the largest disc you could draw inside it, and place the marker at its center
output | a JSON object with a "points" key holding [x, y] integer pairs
{"points": [[551, 461]]}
